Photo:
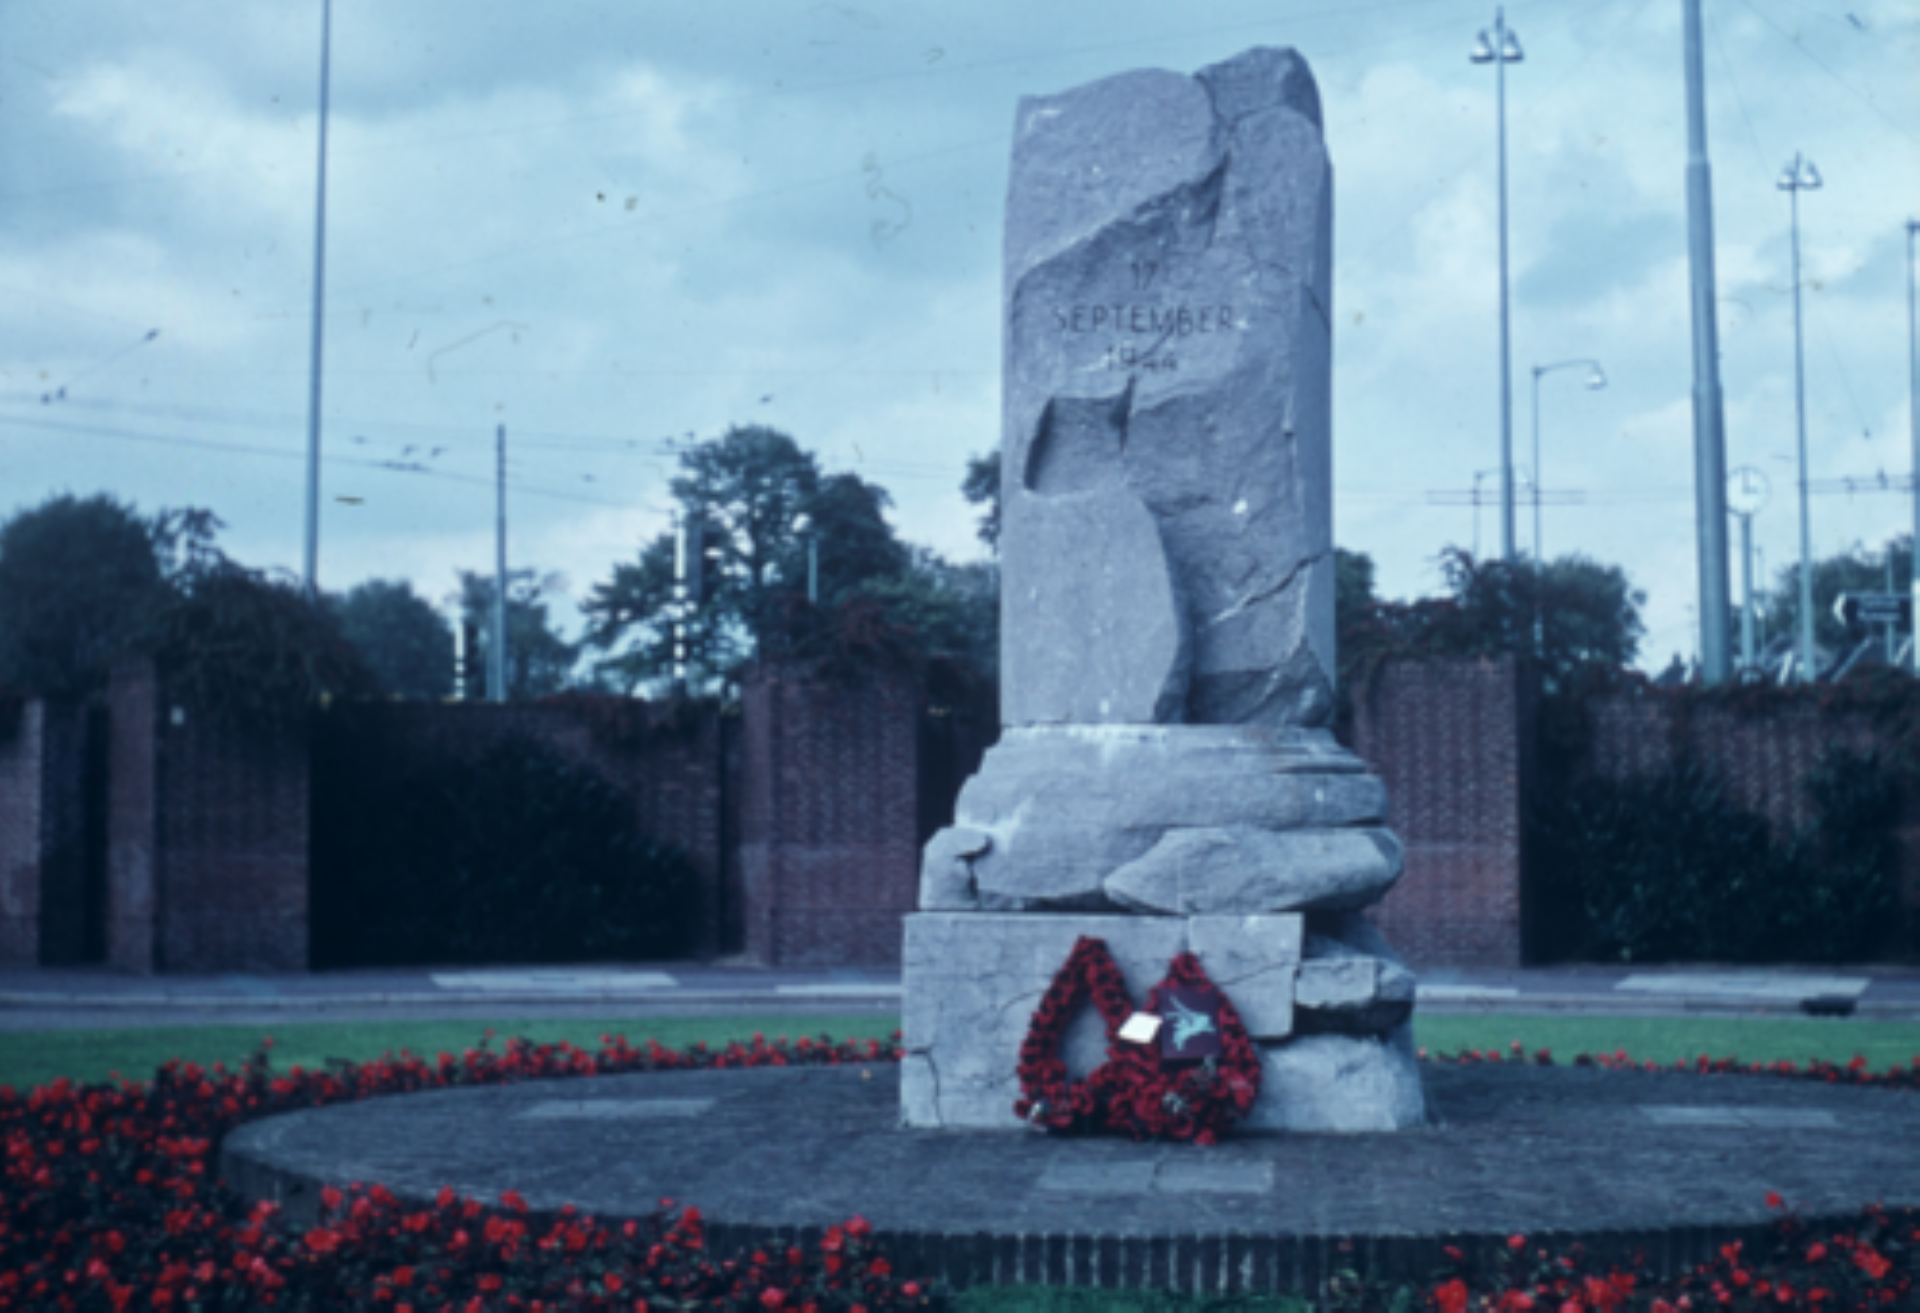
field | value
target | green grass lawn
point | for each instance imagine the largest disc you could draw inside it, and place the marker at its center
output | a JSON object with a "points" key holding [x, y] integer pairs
{"points": [[29, 1058]]}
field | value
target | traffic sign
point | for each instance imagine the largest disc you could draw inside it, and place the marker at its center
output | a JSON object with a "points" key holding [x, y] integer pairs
{"points": [[1895, 609]]}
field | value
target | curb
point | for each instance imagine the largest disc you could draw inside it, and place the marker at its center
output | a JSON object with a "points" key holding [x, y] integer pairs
{"points": [[85, 1002]]}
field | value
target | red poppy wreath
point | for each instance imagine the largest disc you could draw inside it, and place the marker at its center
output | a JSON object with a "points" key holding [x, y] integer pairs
{"points": [[1153, 1090]]}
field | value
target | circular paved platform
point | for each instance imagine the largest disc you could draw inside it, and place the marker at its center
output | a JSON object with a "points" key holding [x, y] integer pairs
{"points": [[1670, 1164]]}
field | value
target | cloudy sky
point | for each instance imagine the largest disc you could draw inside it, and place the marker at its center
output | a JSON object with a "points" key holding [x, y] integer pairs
{"points": [[612, 223]]}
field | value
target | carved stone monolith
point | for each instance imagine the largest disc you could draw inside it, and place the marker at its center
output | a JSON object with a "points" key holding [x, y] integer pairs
{"points": [[1166, 778]]}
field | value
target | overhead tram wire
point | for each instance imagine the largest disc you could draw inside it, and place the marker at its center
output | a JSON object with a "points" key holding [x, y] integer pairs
{"points": [[239, 448], [1828, 69], [626, 226]]}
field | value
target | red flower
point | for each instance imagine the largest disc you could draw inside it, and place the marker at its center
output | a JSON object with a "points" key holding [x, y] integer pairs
{"points": [[1451, 1297]]}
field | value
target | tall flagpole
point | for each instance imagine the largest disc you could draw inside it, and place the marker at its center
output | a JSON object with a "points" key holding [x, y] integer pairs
{"points": [[319, 300], [1709, 418]]}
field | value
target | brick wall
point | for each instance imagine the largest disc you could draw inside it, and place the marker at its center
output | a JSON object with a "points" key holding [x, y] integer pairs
{"points": [[1762, 758], [831, 817], [208, 838], [1452, 742], [670, 761], [22, 837]]}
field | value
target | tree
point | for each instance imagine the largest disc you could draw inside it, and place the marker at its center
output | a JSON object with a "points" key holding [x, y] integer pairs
{"points": [[77, 578], [243, 647], [539, 661], [630, 618], [744, 492], [982, 488], [405, 642], [953, 610], [751, 502], [1855, 571], [1573, 615]]}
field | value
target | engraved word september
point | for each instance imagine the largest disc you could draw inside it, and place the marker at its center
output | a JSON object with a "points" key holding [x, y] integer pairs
{"points": [[1167, 320]]}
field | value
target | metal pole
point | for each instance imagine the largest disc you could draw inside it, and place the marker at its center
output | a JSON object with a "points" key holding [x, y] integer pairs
{"points": [[813, 569], [1709, 421], [1800, 424], [497, 649], [1746, 592], [1539, 557], [319, 294], [1913, 423], [1506, 354], [679, 605]]}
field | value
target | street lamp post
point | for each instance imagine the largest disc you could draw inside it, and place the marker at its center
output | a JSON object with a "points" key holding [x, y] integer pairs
{"points": [[1500, 48], [1596, 380], [1913, 423], [1799, 176], [1747, 491]]}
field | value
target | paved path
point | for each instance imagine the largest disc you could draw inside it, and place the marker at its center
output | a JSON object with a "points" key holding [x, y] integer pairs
{"points": [[58, 998], [1671, 1163]]}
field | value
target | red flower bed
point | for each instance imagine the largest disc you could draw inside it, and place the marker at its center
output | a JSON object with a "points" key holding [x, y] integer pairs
{"points": [[106, 1202]]}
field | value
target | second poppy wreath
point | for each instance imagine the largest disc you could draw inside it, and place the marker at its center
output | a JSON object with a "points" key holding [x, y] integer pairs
{"points": [[1166, 779]]}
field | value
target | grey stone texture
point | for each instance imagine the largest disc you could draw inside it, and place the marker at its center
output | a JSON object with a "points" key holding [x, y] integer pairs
{"points": [[1055, 810], [1354, 995], [1165, 779], [1253, 960], [1166, 460], [1341, 1083], [973, 980], [1241, 869]]}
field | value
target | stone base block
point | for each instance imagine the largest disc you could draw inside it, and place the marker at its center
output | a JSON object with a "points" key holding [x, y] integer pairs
{"points": [[973, 980], [1342, 1083], [1055, 810]]}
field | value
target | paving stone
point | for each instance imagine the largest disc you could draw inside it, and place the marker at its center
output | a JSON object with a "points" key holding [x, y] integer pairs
{"points": [[1214, 1174], [625, 1109], [1559, 1153], [1097, 1178]]}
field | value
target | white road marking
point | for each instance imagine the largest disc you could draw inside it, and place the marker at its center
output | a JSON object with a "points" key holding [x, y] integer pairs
{"points": [[1745, 984], [830, 991], [554, 981], [1462, 993]]}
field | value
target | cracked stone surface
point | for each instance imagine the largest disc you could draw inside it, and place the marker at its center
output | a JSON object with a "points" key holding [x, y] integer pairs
{"points": [[971, 984], [1055, 810], [1220, 869], [1340, 1083], [1168, 351], [1254, 960], [1351, 981]]}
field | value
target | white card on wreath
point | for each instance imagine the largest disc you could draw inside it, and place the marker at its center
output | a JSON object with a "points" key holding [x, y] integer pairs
{"points": [[1140, 1028]]}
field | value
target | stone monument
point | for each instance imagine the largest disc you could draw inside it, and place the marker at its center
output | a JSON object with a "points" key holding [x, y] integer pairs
{"points": [[1165, 779]]}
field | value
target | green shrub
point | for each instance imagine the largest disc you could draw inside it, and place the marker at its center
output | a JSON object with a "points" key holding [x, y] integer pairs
{"points": [[516, 856], [1664, 867]]}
